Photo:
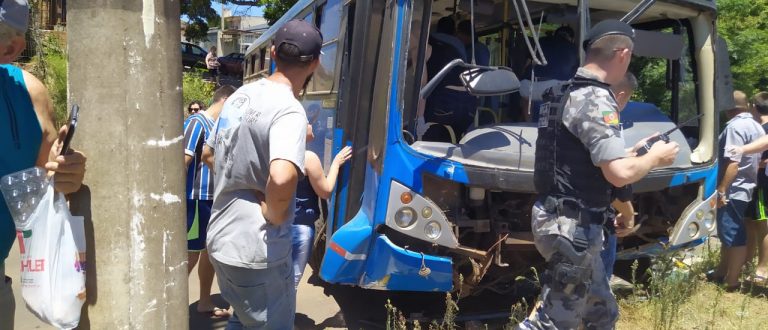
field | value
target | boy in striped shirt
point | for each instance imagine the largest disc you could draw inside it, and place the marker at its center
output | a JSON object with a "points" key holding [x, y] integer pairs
{"points": [[197, 128]]}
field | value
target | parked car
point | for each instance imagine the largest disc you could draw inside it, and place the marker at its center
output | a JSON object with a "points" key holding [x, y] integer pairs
{"points": [[192, 55], [232, 64]]}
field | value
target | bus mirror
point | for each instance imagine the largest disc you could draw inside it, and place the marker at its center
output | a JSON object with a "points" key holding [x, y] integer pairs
{"points": [[723, 78], [488, 81]]}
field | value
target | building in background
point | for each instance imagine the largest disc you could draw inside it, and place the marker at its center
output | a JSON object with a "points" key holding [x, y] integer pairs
{"points": [[238, 34]]}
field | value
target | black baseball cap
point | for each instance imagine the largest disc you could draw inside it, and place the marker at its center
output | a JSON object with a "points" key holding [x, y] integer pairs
{"points": [[304, 36], [607, 28]]}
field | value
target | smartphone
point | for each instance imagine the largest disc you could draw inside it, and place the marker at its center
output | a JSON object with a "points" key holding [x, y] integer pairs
{"points": [[72, 122]]}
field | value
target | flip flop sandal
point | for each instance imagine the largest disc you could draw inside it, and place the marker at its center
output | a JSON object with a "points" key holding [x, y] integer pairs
{"points": [[757, 279], [217, 313], [714, 279]]}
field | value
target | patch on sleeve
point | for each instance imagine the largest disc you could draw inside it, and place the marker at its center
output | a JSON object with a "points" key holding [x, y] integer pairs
{"points": [[610, 117]]}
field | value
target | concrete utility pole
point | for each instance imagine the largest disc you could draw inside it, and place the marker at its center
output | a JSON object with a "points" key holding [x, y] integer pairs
{"points": [[125, 73]]}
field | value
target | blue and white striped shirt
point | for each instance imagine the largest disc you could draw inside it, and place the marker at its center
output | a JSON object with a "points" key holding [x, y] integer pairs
{"points": [[197, 128]]}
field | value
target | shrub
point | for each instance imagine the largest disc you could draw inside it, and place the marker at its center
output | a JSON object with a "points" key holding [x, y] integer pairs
{"points": [[195, 88]]}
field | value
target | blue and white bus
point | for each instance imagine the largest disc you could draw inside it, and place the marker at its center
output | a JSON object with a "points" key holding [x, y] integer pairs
{"points": [[413, 215]]}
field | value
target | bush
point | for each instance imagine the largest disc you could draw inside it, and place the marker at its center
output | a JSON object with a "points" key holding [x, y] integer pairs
{"points": [[195, 88], [50, 66]]}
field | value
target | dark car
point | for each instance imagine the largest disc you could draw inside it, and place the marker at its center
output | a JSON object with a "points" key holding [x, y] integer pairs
{"points": [[193, 56], [232, 64]]}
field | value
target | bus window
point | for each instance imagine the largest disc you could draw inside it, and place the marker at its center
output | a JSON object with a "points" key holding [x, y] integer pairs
{"points": [[329, 17], [325, 74], [670, 84], [262, 59], [331, 20]]}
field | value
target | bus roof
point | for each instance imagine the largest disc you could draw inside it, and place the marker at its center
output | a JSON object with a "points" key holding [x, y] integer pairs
{"points": [[708, 5]]}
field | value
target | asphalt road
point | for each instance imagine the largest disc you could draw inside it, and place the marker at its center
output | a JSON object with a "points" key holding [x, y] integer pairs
{"points": [[314, 310]]}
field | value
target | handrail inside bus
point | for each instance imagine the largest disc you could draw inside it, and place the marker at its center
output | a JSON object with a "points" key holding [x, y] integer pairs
{"points": [[636, 12]]}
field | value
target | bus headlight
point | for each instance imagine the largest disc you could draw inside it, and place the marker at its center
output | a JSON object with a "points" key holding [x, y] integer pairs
{"points": [[418, 217], [709, 220], [697, 221], [693, 229], [432, 230], [426, 212], [405, 217]]}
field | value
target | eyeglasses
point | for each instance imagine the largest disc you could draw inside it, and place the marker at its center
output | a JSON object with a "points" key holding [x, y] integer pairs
{"points": [[194, 109]]}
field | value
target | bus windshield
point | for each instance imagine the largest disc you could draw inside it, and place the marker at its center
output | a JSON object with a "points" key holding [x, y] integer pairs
{"points": [[664, 65]]}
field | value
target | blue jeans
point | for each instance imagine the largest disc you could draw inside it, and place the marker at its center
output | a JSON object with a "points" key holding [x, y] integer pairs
{"points": [[261, 298], [303, 237], [609, 253]]}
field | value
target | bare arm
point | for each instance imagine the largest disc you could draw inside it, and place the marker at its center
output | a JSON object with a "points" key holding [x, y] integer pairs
{"points": [[187, 160], [625, 220], [756, 146], [731, 170], [322, 185], [281, 187], [208, 156], [69, 168], [624, 171]]}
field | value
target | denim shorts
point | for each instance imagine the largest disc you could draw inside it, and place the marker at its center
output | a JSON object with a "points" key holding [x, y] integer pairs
{"points": [[198, 216], [730, 223]]}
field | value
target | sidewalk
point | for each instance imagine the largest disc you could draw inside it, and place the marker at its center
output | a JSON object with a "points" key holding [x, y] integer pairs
{"points": [[313, 309]]}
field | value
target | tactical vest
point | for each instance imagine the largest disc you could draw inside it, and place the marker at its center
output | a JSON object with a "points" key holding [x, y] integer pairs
{"points": [[563, 165]]}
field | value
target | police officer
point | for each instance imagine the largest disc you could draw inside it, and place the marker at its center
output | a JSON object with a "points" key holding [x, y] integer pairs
{"points": [[580, 159]]}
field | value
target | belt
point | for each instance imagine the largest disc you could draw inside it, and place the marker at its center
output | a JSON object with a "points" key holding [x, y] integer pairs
{"points": [[574, 208]]}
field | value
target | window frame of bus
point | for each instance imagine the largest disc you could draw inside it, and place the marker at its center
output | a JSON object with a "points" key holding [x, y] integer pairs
{"points": [[377, 137], [410, 101]]}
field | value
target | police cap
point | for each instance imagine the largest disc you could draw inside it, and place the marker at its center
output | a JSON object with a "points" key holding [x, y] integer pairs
{"points": [[606, 28]]}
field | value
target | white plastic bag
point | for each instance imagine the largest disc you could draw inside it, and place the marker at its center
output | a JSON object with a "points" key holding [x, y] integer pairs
{"points": [[53, 262]]}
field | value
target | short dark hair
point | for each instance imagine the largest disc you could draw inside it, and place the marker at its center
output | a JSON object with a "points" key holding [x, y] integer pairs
{"points": [[289, 55], [760, 101], [604, 49], [565, 31], [446, 25], [199, 104], [464, 27], [223, 92]]}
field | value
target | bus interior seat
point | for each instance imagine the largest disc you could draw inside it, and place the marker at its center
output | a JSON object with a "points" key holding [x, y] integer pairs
{"points": [[440, 132]]}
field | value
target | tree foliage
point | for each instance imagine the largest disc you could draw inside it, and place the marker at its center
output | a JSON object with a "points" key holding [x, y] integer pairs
{"points": [[201, 15], [274, 9], [744, 25]]}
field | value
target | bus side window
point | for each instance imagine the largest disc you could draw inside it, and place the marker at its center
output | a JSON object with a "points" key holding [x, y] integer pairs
{"points": [[328, 18], [262, 59], [254, 64]]}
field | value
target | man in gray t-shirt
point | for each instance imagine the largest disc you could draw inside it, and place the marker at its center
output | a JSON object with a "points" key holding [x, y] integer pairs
{"points": [[259, 145], [738, 177]]}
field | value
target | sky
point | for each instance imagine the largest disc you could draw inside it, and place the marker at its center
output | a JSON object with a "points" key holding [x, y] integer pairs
{"points": [[241, 10]]}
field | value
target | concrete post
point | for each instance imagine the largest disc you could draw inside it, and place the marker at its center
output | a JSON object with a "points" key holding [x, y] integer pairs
{"points": [[125, 73]]}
